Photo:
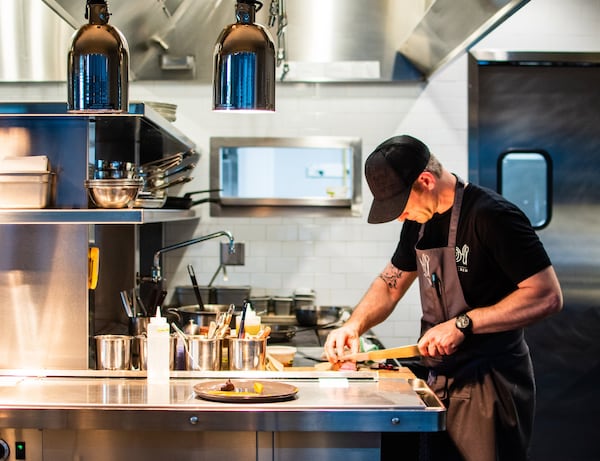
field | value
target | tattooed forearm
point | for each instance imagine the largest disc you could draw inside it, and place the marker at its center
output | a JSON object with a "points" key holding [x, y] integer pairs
{"points": [[390, 276]]}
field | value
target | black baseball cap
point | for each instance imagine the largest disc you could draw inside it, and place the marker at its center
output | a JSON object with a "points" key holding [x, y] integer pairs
{"points": [[391, 170]]}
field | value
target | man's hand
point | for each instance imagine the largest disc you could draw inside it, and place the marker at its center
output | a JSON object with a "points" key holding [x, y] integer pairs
{"points": [[340, 342], [442, 339]]}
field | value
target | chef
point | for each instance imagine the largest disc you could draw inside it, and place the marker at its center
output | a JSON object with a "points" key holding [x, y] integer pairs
{"points": [[483, 275]]}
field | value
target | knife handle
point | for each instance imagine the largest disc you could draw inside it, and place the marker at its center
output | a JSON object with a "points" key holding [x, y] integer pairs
{"points": [[195, 285], [403, 352]]}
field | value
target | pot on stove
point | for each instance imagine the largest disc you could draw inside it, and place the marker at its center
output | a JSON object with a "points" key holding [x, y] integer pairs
{"points": [[185, 316]]}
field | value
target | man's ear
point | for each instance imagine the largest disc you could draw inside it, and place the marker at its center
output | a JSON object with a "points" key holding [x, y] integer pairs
{"points": [[427, 180]]}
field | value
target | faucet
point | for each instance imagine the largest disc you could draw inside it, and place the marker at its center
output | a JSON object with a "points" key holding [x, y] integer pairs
{"points": [[156, 271]]}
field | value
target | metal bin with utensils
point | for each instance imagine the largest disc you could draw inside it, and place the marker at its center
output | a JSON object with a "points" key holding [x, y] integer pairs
{"points": [[203, 354], [247, 354]]}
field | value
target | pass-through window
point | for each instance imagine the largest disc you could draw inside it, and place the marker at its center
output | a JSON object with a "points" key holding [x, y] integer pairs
{"points": [[525, 179]]}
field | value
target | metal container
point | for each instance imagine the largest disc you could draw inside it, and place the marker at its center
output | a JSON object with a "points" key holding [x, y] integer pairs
{"points": [[26, 189], [113, 169], [261, 304], [138, 325], [282, 305], [139, 353], [113, 193], [303, 300], [203, 354], [247, 354], [113, 352]]}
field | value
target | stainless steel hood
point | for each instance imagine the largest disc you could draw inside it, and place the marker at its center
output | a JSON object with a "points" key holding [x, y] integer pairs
{"points": [[325, 40]]}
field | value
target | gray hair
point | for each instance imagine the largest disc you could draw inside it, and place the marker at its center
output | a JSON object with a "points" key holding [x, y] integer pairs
{"points": [[434, 166]]}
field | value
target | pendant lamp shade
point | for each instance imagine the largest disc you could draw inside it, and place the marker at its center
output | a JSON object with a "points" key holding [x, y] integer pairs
{"points": [[98, 64], [244, 64]]}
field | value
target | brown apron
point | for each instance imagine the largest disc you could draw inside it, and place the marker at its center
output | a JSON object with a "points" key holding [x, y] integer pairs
{"points": [[487, 385]]}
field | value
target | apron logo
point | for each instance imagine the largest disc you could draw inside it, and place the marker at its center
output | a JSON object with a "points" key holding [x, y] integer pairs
{"points": [[461, 257], [424, 260]]}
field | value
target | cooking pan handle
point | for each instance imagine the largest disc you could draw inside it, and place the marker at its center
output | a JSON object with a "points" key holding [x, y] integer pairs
{"points": [[204, 200], [161, 164], [206, 191], [188, 162]]}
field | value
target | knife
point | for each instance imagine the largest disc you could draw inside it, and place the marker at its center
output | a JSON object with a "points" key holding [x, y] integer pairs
{"points": [[402, 352]]}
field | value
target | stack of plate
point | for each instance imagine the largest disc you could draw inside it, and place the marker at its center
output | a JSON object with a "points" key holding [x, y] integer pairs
{"points": [[168, 111]]}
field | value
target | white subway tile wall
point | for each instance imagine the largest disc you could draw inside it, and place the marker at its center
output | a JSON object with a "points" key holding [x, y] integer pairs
{"points": [[337, 257]]}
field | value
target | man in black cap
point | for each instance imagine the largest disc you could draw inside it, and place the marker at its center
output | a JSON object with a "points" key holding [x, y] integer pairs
{"points": [[483, 276]]}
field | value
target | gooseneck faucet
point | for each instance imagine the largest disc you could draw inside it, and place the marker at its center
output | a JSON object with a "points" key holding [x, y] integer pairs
{"points": [[156, 271]]}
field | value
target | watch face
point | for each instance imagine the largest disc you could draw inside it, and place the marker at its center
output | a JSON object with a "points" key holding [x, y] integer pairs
{"points": [[462, 321]]}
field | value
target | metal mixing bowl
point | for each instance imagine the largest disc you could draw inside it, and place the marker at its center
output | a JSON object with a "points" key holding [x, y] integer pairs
{"points": [[113, 193]]}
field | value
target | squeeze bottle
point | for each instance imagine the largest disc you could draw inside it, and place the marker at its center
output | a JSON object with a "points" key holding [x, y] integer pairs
{"points": [[158, 345]]}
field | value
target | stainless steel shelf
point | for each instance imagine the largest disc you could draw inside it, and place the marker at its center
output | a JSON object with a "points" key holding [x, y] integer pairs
{"points": [[153, 135], [94, 216], [137, 109]]}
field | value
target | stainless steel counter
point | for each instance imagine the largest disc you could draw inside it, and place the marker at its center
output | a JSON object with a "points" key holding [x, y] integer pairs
{"points": [[323, 403], [332, 411]]}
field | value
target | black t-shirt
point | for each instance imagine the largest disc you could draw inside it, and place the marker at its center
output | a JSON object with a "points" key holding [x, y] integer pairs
{"points": [[496, 247]]}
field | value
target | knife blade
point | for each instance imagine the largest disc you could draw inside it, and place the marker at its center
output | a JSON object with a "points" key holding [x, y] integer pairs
{"points": [[402, 352]]}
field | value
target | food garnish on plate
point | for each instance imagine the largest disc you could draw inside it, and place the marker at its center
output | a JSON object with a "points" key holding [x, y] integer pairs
{"points": [[228, 386], [229, 389]]}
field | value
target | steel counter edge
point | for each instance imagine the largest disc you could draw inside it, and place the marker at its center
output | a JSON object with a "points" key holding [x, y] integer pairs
{"points": [[124, 401]]}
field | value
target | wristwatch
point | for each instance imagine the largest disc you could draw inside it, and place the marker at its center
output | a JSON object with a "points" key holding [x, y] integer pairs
{"points": [[464, 324]]}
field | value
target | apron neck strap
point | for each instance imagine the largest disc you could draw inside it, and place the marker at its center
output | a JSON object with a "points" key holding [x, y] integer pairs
{"points": [[456, 206], [455, 213]]}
